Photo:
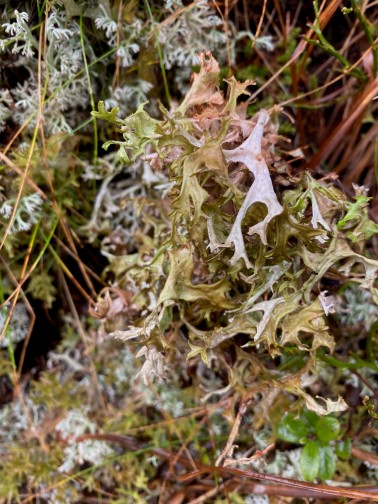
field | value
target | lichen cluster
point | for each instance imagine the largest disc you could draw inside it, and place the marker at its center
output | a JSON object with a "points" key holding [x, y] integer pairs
{"points": [[229, 253]]}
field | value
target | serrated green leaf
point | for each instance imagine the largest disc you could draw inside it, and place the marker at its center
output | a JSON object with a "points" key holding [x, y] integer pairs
{"points": [[292, 429], [327, 428], [327, 462], [310, 461]]}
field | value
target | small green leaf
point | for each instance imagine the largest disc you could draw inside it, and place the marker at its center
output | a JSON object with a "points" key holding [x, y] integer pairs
{"points": [[343, 448], [327, 462], [354, 211], [327, 428], [310, 461], [309, 418], [292, 429]]}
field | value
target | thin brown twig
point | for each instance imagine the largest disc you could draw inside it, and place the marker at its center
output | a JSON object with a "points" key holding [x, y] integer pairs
{"points": [[26, 277], [77, 259], [259, 26], [248, 459], [19, 172], [339, 132], [255, 488], [118, 59], [234, 432], [318, 489], [246, 16], [224, 19], [29, 310], [84, 339], [17, 133], [367, 431], [23, 274], [364, 381], [207, 495], [183, 447], [282, 486], [277, 5], [52, 190], [364, 455], [28, 161], [324, 19], [330, 83]]}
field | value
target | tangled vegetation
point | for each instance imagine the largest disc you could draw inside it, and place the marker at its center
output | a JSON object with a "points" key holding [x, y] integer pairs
{"points": [[189, 275]]}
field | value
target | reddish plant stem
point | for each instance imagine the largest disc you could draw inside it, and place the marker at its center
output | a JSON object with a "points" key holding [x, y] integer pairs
{"points": [[283, 486]]}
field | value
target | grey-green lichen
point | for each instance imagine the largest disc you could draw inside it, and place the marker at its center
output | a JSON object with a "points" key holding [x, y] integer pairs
{"points": [[219, 248]]}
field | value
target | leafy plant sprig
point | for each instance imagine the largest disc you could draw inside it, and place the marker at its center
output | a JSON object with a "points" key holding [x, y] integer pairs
{"points": [[319, 436]]}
